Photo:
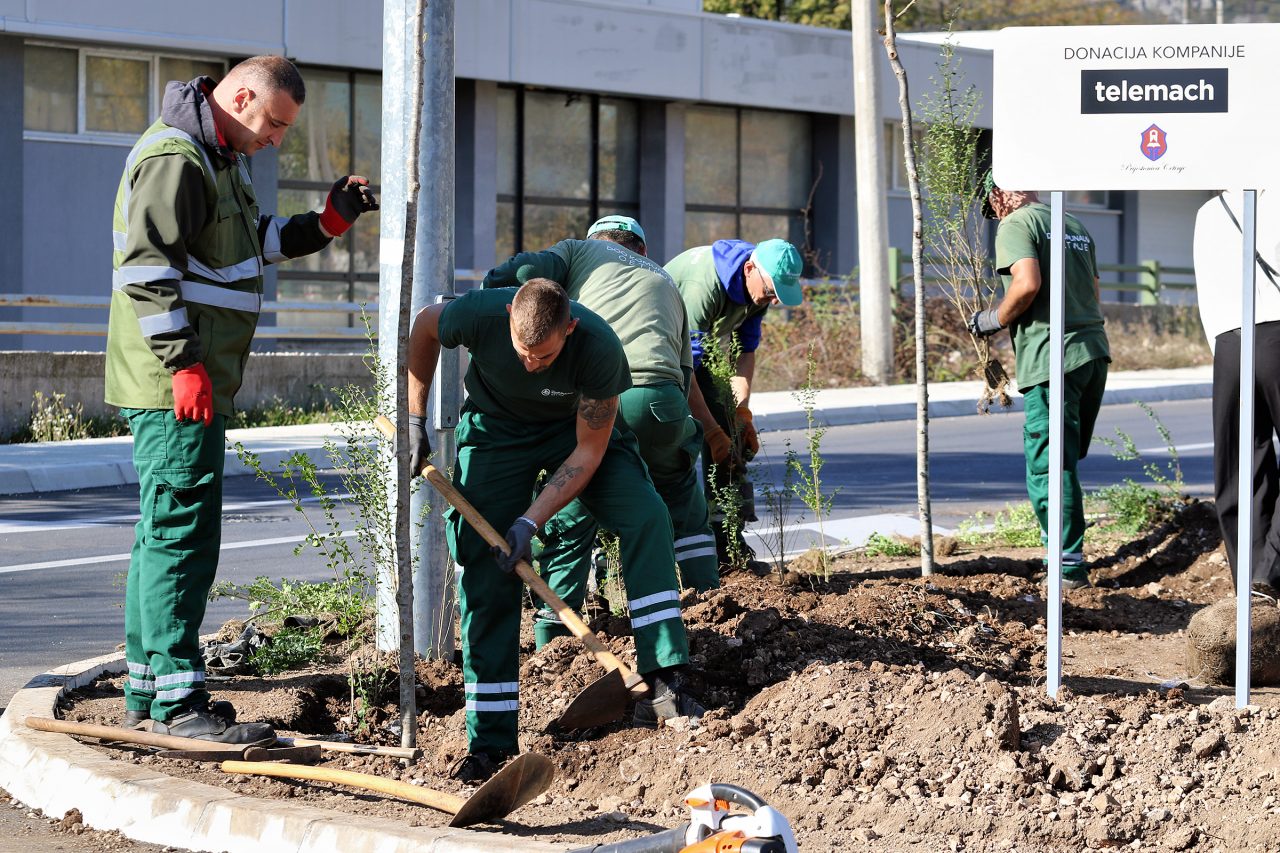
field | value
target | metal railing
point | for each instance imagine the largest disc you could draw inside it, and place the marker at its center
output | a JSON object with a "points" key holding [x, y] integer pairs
{"points": [[102, 303], [1153, 277]]}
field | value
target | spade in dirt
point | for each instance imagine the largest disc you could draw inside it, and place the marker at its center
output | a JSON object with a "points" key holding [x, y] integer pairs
{"points": [[605, 699], [519, 781]]}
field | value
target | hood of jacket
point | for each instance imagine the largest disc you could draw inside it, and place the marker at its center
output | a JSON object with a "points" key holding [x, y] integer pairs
{"points": [[729, 257], [186, 107]]}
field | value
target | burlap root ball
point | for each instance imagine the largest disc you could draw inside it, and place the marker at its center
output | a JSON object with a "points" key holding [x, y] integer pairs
{"points": [[1211, 643]]}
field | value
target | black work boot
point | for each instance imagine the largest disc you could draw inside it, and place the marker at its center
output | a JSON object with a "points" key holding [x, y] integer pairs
{"points": [[667, 700], [204, 723], [133, 719], [475, 768]]}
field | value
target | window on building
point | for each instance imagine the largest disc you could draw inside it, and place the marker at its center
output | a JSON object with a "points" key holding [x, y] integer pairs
{"points": [[896, 165], [111, 95], [564, 160], [337, 133], [747, 173]]}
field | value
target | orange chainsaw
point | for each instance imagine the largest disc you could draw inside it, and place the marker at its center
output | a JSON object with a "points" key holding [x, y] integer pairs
{"points": [[713, 828]]}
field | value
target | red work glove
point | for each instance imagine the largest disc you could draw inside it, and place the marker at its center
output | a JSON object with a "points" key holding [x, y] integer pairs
{"points": [[193, 395], [718, 442], [750, 441], [349, 197]]}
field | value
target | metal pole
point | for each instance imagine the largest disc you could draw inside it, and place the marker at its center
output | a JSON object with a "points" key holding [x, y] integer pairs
{"points": [[1057, 327], [433, 596], [874, 283], [1244, 533]]}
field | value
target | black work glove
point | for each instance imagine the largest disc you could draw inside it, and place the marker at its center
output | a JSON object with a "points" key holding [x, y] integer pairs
{"points": [[419, 446], [520, 541], [984, 324], [348, 198]]}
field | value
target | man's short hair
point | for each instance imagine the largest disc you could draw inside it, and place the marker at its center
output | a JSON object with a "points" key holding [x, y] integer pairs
{"points": [[626, 239], [539, 308], [272, 74]]}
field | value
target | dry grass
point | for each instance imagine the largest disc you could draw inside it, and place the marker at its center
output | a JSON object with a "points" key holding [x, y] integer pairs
{"points": [[1141, 339]]}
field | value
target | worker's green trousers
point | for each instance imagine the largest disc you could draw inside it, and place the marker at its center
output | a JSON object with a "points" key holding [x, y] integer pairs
{"points": [[1082, 398], [499, 461], [670, 441], [174, 559]]}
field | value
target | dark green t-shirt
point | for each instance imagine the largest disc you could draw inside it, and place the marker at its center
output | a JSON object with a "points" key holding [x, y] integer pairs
{"points": [[1025, 234], [592, 363], [632, 293]]}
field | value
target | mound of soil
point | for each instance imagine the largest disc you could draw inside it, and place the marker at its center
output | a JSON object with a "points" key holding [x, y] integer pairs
{"points": [[874, 708]]}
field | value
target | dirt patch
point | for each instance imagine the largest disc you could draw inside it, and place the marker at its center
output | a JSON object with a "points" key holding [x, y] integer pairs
{"points": [[876, 709]]}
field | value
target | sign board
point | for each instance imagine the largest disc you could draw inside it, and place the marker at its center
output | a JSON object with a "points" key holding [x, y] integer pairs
{"points": [[1136, 107]]}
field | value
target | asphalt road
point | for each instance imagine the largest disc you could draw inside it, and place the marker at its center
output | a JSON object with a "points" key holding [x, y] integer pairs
{"points": [[63, 556]]}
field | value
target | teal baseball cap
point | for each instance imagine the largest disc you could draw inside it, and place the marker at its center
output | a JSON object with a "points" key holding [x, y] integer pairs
{"points": [[780, 263], [616, 222]]}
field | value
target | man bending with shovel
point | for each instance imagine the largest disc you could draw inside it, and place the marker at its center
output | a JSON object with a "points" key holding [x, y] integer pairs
{"points": [[543, 386]]}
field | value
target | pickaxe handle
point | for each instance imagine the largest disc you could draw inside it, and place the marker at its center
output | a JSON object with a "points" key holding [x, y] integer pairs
{"points": [[111, 733], [571, 620]]}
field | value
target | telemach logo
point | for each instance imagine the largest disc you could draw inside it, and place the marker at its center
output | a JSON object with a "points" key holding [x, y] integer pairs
{"points": [[1154, 90]]}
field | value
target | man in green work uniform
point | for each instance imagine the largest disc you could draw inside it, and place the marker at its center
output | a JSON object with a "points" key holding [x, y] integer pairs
{"points": [[1023, 243], [190, 247], [609, 273], [543, 386], [727, 288]]}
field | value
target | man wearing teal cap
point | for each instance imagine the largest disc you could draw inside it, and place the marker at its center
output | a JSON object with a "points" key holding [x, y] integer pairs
{"points": [[727, 287], [610, 274]]}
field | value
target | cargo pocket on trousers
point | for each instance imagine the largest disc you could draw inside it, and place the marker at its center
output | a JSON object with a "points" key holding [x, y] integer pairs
{"points": [[183, 507], [1035, 447]]}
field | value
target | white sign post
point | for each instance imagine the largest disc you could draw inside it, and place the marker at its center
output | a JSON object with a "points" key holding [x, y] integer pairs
{"points": [[1138, 108]]}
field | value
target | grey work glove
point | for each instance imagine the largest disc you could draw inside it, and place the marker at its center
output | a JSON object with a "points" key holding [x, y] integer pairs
{"points": [[984, 324], [419, 446], [519, 541]]}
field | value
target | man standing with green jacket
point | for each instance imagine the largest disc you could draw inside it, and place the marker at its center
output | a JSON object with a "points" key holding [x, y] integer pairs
{"points": [[1023, 243], [189, 250], [610, 274], [727, 287]]}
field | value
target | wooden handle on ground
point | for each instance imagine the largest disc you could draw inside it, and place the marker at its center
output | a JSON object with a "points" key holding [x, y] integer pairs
{"points": [[48, 724], [571, 620], [412, 754], [438, 800]]}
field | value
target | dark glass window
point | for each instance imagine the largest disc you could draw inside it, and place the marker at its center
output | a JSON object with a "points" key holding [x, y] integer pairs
{"points": [[564, 160], [747, 174]]}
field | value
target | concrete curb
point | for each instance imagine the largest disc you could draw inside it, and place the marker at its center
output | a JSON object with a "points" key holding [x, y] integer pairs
{"points": [[54, 773]]}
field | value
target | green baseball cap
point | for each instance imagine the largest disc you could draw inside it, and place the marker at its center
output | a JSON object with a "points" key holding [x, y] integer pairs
{"points": [[616, 222], [781, 265]]}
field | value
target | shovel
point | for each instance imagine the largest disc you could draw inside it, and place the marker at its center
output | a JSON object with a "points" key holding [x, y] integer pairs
{"points": [[207, 748], [603, 700], [519, 781]]}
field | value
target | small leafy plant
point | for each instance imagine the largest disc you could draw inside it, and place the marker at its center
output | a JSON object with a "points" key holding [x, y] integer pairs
{"points": [[807, 484], [879, 545]]}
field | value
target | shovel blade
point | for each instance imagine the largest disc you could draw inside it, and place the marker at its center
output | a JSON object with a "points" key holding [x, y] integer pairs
{"points": [[600, 703], [519, 781]]}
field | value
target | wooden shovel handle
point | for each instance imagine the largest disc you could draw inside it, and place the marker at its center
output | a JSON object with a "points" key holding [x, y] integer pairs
{"points": [[48, 724], [571, 620], [438, 800], [410, 753]]}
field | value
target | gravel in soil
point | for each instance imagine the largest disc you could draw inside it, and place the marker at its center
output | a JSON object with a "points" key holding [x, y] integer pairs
{"points": [[874, 708]]}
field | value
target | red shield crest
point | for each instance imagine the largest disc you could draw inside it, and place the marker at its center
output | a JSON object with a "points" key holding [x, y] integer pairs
{"points": [[1154, 143]]}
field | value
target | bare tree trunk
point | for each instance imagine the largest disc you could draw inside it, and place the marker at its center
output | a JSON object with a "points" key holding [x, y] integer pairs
{"points": [[917, 266], [404, 540]]}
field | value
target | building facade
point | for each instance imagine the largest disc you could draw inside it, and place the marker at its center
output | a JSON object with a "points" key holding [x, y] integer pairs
{"points": [[702, 126]]}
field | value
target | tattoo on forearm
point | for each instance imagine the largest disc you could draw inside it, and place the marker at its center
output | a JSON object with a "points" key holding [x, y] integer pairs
{"points": [[598, 413], [563, 475]]}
